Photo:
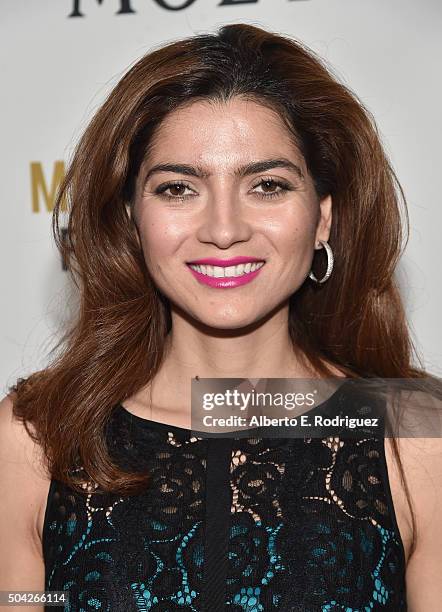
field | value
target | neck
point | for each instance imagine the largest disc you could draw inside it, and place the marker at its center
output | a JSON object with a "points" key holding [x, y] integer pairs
{"points": [[192, 349], [258, 351]]}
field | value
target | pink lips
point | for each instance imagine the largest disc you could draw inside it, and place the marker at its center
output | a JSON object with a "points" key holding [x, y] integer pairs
{"points": [[234, 261], [225, 282]]}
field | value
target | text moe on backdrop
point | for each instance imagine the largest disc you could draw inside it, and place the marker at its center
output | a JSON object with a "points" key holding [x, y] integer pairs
{"points": [[126, 8]]}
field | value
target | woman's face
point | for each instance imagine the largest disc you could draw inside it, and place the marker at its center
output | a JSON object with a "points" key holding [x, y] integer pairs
{"points": [[225, 181]]}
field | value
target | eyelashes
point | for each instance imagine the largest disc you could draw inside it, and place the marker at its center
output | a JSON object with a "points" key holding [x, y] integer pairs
{"points": [[283, 187]]}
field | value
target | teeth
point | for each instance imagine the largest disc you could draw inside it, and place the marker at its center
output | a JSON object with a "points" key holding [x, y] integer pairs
{"points": [[229, 271]]}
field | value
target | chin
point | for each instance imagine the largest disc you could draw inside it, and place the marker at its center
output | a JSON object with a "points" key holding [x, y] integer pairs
{"points": [[226, 321]]}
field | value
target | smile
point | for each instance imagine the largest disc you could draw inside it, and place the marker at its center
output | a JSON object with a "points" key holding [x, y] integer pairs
{"points": [[222, 271], [226, 276]]}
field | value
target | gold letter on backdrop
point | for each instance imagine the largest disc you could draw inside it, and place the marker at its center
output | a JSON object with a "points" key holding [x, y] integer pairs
{"points": [[39, 186]]}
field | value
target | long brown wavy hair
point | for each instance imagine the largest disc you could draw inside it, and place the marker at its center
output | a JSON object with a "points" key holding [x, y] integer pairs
{"points": [[355, 321]]}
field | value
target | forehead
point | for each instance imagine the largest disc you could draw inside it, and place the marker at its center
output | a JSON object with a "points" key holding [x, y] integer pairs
{"points": [[210, 131]]}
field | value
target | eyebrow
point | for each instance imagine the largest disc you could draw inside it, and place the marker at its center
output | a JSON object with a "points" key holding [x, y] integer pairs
{"points": [[246, 170]]}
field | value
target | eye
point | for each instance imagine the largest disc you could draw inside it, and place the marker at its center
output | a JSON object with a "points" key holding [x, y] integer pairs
{"points": [[174, 186], [271, 183], [177, 189]]}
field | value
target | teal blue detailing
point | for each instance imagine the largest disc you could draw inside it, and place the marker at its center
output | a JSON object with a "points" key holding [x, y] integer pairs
{"points": [[144, 597], [95, 603], [380, 592], [158, 526], [141, 556], [248, 597], [71, 525], [80, 544]]}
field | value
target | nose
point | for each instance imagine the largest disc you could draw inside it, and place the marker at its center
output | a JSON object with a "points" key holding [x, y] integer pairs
{"points": [[223, 221]]}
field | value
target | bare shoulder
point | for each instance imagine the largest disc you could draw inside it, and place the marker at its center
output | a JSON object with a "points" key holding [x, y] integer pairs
{"points": [[401, 507], [24, 481], [421, 459]]}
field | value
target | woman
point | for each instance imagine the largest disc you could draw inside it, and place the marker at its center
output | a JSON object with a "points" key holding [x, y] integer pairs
{"points": [[235, 144]]}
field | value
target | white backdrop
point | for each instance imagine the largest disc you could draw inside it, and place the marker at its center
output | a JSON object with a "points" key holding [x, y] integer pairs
{"points": [[56, 70]]}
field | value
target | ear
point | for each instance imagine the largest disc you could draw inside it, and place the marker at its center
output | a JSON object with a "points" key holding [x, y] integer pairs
{"points": [[129, 211], [325, 219]]}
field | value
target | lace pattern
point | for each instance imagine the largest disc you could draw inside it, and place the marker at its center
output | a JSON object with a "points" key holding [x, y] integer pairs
{"points": [[309, 527]]}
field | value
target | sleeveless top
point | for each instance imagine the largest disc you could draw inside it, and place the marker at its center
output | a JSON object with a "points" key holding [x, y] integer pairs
{"points": [[247, 524]]}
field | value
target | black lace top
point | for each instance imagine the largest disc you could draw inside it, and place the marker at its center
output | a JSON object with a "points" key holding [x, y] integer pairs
{"points": [[237, 525]]}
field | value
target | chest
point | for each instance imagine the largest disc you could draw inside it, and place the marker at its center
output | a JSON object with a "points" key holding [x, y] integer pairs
{"points": [[259, 524]]}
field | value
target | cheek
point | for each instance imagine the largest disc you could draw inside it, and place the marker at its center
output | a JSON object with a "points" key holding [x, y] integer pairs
{"points": [[292, 233], [160, 236]]}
